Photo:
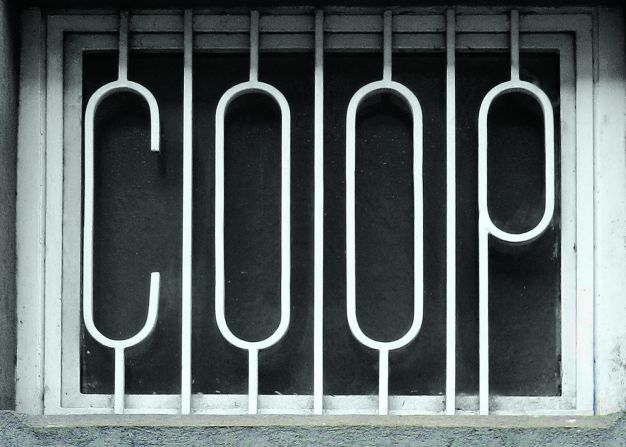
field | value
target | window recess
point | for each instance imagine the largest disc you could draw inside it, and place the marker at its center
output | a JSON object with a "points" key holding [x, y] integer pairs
{"points": [[318, 212]]}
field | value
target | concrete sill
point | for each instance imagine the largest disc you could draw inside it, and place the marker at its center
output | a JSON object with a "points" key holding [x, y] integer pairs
{"points": [[167, 421]]}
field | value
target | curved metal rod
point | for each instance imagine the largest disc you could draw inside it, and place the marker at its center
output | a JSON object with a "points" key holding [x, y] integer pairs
{"points": [[125, 86], [230, 95], [535, 92], [121, 85], [253, 86], [385, 86]]}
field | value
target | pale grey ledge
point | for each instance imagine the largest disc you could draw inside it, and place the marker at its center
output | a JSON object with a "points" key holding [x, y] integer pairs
{"points": [[165, 421]]}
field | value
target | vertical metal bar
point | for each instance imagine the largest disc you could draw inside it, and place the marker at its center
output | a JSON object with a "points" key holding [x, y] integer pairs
{"points": [[451, 213], [185, 385], [254, 45], [387, 45], [383, 364], [514, 44], [123, 46], [483, 319], [318, 324], [253, 381], [120, 381], [383, 382]]}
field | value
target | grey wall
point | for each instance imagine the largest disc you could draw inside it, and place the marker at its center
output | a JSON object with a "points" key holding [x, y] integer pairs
{"points": [[8, 139], [24, 431]]}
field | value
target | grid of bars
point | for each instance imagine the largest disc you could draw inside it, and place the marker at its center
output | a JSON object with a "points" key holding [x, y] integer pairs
{"points": [[255, 85]]}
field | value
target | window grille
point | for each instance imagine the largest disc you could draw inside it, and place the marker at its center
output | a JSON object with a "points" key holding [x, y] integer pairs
{"points": [[69, 283]]}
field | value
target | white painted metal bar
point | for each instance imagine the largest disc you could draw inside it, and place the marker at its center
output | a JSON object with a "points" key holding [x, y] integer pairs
{"points": [[253, 86], [514, 44], [386, 85], [318, 256], [123, 46], [186, 306], [451, 212], [253, 381], [235, 42], [73, 138], [486, 226], [383, 381], [387, 44], [121, 85], [254, 45]]}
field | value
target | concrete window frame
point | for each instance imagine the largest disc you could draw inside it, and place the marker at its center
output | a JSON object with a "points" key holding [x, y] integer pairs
{"points": [[590, 39]]}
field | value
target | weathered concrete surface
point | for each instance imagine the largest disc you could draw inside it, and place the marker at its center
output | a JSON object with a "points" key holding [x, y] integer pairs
{"points": [[20, 430], [8, 139], [264, 420]]}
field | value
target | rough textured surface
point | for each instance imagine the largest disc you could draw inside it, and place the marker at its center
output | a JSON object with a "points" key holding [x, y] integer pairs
{"points": [[263, 3], [8, 136], [20, 430]]}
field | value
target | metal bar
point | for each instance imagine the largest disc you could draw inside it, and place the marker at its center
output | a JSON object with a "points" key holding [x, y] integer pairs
{"points": [[387, 45], [186, 307], [253, 381], [383, 382], [451, 212], [568, 213], [123, 46], [254, 45], [120, 380], [72, 212], [386, 85], [318, 318], [483, 320], [514, 44], [253, 86], [270, 404]]}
